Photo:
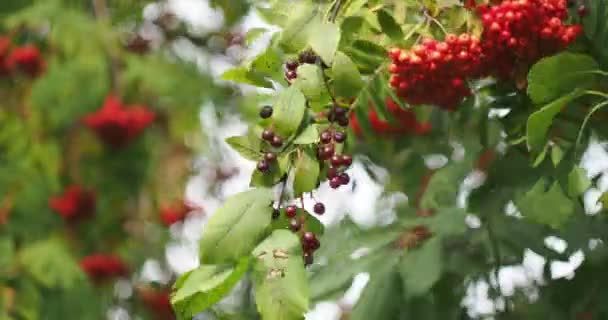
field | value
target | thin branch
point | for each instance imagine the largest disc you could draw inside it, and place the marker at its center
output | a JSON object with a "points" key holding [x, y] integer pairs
{"points": [[336, 10]]}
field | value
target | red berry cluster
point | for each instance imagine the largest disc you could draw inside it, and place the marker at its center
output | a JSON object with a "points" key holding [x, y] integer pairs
{"points": [[326, 150], [25, 59], [117, 125], [517, 33], [406, 119], [100, 267], [434, 72], [75, 204], [175, 212]]}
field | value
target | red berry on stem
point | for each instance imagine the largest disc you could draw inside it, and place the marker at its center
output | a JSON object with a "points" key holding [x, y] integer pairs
{"points": [[325, 137], [291, 211], [270, 156], [263, 166], [295, 225]]}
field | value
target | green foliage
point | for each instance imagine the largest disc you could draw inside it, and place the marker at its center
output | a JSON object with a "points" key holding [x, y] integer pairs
{"points": [[420, 268], [550, 207]]}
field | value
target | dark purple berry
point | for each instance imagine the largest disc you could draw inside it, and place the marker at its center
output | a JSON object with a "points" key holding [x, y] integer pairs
{"points": [[263, 166], [315, 244], [335, 182], [344, 178], [290, 75], [342, 121], [267, 135], [328, 151], [308, 258], [270, 156], [339, 136], [325, 137], [308, 238], [266, 112], [332, 172], [276, 142], [295, 225], [291, 211], [347, 160], [291, 65], [319, 208], [336, 160], [276, 214]]}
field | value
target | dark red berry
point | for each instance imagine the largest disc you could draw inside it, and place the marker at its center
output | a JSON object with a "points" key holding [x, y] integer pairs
{"points": [[291, 65], [308, 258], [295, 225], [347, 160], [325, 137], [263, 166], [291, 211], [344, 178], [319, 208], [332, 172], [328, 151], [290, 75], [339, 136], [308, 238], [276, 142], [335, 182], [315, 244], [343, 121], [336, 160], [270, 156], [267, 135], [266, 112]]}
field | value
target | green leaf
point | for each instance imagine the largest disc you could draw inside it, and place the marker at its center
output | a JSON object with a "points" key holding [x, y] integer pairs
{"points": [[294, 36], [311, 224], [554, 76], [307, 174], [280, 278], [268, 63], [551, 208], [199, 289], [244, 146], [289, 108], [347, 82], [310, 82], [578, 182], [604, 200], [389, 26], [448, 222], [253, 34], [276, 173], [381, 298], [310, 135], [324, 38], [539, 122], [51, 264], [442, 189], [243, 75], [236, 228], [421, 268], [7, 253]]}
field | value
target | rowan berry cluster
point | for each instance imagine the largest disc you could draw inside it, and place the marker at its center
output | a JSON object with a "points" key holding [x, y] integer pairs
{"points": [[100, 267], [517, 33], [20, 60], [75, 204], [436, 72], [406, 122], [116, 124]]}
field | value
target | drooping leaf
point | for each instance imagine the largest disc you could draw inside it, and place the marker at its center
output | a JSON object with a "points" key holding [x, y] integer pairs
{"points": [[244, 146], [324, 38], [421, 268], [236, 228], [555, 76], [347, 80], [389, 25], [204, 286], [306, 175], [243, 75], [289, 108], [578, 182]]}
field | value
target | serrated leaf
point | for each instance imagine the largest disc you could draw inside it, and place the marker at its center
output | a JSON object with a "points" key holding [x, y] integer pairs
{"points": [[236, 228], [347, 82], [307, 174], [421, 268], [243, 75], [289, 108], [551, 208], [51, 264], [243, 145], [310, 135], [555, 76], [324, 38], [389, 26], [540, 121], [280, 278], [199, 289], [578, 182]]}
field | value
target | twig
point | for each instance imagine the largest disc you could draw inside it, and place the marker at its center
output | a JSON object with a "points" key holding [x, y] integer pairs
{"points": [[336, 10]]}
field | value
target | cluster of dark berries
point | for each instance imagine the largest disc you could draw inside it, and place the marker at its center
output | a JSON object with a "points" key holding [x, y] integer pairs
{"points": [[406, 122], [518, 33], [438, 67], [271, 138], [297, 224], [326, 149], [25, 59], [291, 66]]}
